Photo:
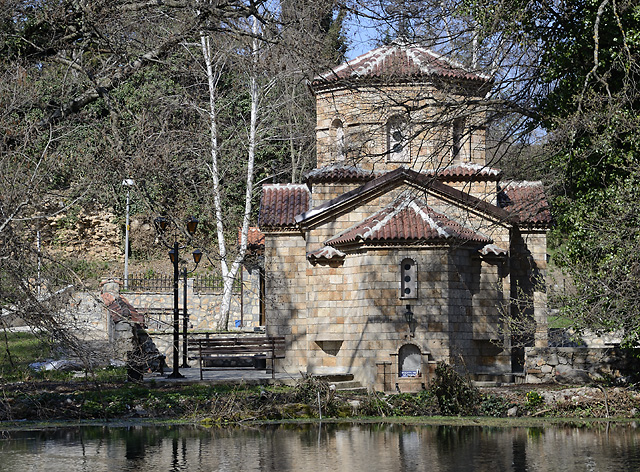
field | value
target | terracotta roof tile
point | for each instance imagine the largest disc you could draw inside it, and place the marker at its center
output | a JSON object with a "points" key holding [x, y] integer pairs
{"points": [[255, 237], [465, 171], [398, 61], [340, 173], [280, 204], [120, 309], [407, 220], [526, 202]]}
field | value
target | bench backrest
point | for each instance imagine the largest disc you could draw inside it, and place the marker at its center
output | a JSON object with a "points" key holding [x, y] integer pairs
{"points": [[239, 343]]}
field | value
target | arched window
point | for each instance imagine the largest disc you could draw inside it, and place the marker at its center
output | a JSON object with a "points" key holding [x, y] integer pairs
{"points": [[398, 139], [338, 140], [408, 279], [409, 361]]}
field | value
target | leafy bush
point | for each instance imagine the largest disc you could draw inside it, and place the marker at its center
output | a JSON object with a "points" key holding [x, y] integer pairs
{"points": [[494, 406], [455, 394]]}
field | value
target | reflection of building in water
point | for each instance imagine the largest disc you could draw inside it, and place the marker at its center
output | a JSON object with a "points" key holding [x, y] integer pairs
{"points": [[403, 245], [321, 447]]}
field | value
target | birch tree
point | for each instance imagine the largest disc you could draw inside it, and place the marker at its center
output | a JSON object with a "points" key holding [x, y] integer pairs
{"points": [[230, 265]]}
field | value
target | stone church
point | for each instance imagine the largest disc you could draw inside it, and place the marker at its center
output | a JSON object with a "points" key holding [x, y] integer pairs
{"points": [[404, 247]]}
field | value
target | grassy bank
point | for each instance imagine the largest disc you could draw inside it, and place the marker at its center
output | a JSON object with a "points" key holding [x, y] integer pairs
{"points": [[104, 395], [310, 399]]}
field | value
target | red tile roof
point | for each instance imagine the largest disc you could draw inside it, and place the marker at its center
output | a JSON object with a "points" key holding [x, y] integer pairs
{"points": [[407, 220], [121, 310], [398, 61], [280, 204], [526, 202], [255, 237], [464, 172], [340, 173]]}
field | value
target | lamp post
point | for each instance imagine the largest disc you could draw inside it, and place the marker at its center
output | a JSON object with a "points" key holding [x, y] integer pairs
{"points": [[161, 226], [197, 255]]}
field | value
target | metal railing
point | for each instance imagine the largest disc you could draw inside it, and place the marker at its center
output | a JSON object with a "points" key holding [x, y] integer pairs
{"points": [[164, 283], [213, 284], [156, 283]]}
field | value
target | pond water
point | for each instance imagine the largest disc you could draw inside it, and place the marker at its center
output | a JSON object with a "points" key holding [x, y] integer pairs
{"points": [[326, 447]]}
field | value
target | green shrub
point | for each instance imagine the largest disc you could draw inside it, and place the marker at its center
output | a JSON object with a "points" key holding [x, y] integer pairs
{"points": [[455, 394], [493, 406]]}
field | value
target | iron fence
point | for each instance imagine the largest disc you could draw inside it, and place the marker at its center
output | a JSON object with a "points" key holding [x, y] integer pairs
{"points": [[159, 319], [157, 283], [213, 284], [164, 283]]}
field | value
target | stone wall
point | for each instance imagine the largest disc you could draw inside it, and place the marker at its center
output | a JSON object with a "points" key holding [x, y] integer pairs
{"points": [[576, 364], [86, 316]]}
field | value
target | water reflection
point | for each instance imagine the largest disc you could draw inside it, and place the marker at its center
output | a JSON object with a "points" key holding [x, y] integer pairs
{"points": [[327, 447]]}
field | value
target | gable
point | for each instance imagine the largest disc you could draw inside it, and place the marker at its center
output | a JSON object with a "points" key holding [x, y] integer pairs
{"points": [[408, 220], [392, 180]]}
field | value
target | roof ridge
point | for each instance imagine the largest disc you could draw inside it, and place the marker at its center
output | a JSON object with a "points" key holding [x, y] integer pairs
{"points": [[431, 221]]}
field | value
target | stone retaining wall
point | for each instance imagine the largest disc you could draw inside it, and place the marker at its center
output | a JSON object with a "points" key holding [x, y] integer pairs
{"points": [[575, 364]]}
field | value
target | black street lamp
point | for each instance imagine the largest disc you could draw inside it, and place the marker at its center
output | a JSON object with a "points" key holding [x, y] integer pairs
{"points": [[161, 226], [197, 255]]}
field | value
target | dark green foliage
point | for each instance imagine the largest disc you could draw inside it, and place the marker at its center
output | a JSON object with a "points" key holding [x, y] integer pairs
{"points": [[494, 406], [455, 394]]}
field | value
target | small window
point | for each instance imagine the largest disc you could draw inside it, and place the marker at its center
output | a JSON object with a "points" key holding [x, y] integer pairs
{"points": [[409, 279], [398, 139], [458, 135], [338, 140]]}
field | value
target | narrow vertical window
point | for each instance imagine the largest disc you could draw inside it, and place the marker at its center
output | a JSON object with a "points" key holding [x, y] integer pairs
{"points": [[458, 134], [338, 140], [408, 279], [398, 140]]}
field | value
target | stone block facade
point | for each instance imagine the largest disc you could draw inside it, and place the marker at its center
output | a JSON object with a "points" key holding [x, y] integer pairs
{"points": [[405, 249], [364, 116]]}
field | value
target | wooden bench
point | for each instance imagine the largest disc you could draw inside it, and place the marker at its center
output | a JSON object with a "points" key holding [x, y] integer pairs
{"points": [[235, 349]]}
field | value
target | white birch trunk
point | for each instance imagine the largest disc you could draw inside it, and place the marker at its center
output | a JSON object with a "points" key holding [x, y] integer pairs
{"points": [[230, 269]]}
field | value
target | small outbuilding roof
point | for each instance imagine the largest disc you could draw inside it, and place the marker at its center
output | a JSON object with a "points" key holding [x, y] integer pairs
{"points": [[526, 202], [281, 203], [465, 172], [340, 173]]}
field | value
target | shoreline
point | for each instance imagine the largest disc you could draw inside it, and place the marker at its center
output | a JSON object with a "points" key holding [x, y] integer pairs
{"points": [[473, 421]]}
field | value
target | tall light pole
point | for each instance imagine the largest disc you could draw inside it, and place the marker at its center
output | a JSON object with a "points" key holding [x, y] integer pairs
{"points": [[127, 183], [197, 255], [161, 226]]}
